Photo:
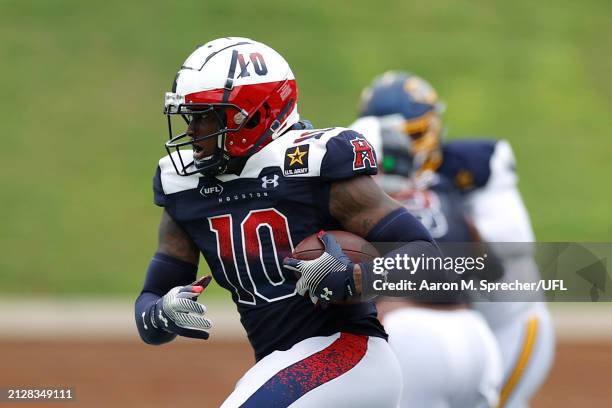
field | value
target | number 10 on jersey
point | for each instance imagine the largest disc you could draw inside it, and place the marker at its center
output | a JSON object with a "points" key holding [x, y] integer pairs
{"points": [[254, 270]]}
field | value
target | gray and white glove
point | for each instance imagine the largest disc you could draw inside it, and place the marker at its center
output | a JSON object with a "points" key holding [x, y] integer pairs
{"points": [[327, 278], [178, 312]]}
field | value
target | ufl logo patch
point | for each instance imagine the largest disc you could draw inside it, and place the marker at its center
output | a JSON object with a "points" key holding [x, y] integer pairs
{"points": [[210, 190], [296, 160], [363, 153]]}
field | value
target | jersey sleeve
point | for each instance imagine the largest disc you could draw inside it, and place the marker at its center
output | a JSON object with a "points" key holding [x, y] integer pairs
{"points": [[159, 197], [468, 163], [348, 154], [503, 166], [166, 183]]}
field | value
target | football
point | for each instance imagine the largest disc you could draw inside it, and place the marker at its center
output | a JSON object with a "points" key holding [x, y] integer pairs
{"points": [[356, 248]]}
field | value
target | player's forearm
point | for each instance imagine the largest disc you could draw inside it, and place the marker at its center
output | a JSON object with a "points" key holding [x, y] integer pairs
{"points": [[398, 227], [403, 236], [163, 274], [397, 274], [363, 273], [364, 209]]}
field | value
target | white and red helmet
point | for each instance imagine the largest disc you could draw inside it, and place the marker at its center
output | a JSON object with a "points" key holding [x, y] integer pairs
{"points": [[249, 87]]}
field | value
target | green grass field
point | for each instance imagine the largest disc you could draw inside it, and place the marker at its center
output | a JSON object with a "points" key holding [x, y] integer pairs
{"points": [[82, 86]]}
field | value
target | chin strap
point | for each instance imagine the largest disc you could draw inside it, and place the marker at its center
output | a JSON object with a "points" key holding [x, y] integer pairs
{"points": [[273, 127]]}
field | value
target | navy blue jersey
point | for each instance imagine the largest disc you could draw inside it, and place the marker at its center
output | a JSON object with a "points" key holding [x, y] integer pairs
{"points": [[246, 224], [467, 163], [439, 207]]}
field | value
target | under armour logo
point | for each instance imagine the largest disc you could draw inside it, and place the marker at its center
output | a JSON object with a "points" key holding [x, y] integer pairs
{"points": [[266, 181], [162, 318], [326, 293], [144, 322]]}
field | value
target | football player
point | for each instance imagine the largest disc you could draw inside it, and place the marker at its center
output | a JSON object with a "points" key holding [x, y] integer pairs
{"points": [[483, 172], [450, 339], [245, 181]]}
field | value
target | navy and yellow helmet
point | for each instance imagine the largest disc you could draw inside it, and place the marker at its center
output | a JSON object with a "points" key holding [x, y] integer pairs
{"points": [[405, 94]]}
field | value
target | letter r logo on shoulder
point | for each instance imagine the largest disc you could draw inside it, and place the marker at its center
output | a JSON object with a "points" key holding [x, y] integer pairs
{"points": [[363, 152]]}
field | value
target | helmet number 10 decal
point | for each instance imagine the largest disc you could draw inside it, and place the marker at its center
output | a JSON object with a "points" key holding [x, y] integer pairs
{"points": [[251, 254], [256, 60]]}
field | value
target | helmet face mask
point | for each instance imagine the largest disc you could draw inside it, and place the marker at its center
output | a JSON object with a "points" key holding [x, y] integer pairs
{"points": [[216, 162], [250, 90], [425, 136]]}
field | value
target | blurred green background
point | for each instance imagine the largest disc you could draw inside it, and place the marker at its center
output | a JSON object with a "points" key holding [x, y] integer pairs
{"points": [[82, 86]]}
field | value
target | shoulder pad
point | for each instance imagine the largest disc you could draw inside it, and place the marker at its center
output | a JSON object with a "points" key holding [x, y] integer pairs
{"points": [[348, 154], [503, 166], [166, 181], [332, 153], [467, 162]]}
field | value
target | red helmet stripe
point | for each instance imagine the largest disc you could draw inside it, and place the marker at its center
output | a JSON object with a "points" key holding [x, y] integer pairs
{"points": [[248, 92]]}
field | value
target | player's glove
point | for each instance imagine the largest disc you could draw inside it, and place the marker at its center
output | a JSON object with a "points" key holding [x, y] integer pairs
{"points": [[327, 278], [178, 312]]}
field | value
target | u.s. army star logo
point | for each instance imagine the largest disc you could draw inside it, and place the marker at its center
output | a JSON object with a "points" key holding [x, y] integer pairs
{"points": [[297, 156], [296, 160]]}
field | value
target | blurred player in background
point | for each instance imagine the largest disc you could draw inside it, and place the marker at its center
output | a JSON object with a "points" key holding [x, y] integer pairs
{"points": [[450, 339], [244, 181], [482, 171]]}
